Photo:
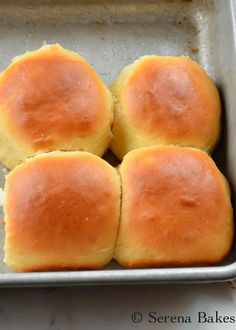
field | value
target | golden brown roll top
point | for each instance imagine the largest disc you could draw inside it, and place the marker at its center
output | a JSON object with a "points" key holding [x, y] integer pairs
{"points": [[164, 100], [61, 212], [52, 99], [176, 209]]}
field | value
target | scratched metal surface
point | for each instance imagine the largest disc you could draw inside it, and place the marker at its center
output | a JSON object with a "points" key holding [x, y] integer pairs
{"points": [[110, 34]]}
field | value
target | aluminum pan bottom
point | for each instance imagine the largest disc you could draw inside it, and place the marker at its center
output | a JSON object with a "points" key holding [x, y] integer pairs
{"points": [[110, 35]]}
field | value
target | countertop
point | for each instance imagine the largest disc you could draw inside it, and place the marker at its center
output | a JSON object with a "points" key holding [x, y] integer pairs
{"points": [[95, 308]]}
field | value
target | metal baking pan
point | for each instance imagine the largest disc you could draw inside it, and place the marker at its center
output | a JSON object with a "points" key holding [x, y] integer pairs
{"points": [[110, 34]]}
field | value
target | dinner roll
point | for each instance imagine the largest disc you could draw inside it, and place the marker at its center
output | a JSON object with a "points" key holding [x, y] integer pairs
{"points": [[61, 212], [164, 100], [52, 99], [176, 209]]}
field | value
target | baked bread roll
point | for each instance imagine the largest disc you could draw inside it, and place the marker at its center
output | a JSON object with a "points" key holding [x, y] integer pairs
{"points": [[176, 209], [52, 99], [164, 100], [61, 212]]}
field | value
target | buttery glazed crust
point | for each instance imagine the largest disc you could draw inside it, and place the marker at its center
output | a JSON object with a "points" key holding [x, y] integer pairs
{"points": [[164, 100], [61, 212], [176, 209], [52, 99]]}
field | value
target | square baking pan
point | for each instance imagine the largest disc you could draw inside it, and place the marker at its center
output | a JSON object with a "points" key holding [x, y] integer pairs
{"points": [[110, 34]]}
